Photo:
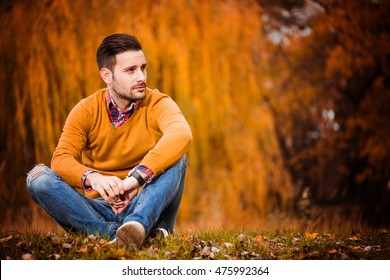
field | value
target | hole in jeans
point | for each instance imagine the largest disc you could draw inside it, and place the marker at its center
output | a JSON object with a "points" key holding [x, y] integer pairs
{"points": [[36, 171]]}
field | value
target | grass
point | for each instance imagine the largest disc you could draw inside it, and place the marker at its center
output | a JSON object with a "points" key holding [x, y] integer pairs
{"points": [[363, 243]]}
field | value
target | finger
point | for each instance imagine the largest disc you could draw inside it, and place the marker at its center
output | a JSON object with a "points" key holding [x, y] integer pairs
{"points": [[117, 204], [121, 186], [108, 189], [115, 210], [116, 185], [102, 193]]}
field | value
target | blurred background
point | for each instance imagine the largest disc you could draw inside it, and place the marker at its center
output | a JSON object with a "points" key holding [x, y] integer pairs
{"points": [[288, 102]]}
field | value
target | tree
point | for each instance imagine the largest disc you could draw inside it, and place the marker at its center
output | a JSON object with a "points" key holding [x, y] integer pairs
{"points": [[331, 103]]}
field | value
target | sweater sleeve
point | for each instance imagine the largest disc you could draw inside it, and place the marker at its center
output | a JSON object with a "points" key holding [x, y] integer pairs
{"points": [[175, 140], [66, 160]]}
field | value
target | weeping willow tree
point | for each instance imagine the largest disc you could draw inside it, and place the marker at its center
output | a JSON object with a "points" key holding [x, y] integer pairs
{"points": [[208, 56]]}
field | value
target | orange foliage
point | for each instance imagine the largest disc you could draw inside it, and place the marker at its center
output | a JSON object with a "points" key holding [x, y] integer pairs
{"points": [[208, 56]]}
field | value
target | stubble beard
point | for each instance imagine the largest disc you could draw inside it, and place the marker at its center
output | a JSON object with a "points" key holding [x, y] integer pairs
{"points": [[132, 94]]}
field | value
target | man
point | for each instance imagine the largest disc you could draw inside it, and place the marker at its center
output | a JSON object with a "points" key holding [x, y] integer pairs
{"points": [[114, 142]]}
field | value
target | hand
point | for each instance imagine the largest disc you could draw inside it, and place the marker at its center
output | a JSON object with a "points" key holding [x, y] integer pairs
{"points": [[131, 186], [109, 187], [123, 201]]}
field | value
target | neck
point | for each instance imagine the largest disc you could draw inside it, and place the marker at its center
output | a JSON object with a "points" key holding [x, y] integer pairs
{"points": [[121, 103]]}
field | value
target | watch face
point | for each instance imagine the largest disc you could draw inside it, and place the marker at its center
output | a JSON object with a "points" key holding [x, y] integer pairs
{"points": [[138, 177]]}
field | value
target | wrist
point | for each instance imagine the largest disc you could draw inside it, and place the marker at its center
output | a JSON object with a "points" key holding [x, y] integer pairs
{"points": [[137, 176], [85, 183], [130, 183]]}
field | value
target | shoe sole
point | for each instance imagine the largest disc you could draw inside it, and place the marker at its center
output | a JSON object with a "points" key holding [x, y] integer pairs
{"points": [[129, 234]]}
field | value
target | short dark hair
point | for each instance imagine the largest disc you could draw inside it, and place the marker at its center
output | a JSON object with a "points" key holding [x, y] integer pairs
{"points": [[115, 44]]}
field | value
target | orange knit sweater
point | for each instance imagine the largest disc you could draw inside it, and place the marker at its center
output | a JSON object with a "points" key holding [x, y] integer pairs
{"points": [[156, 135]]}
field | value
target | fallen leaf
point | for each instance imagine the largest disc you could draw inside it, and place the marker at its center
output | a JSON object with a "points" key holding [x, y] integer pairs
{"points": [[84, 248], [354, 238], [66, 245], [296, 240], [185, 237], [55, 238], [259, 239], [358, 248], [152, 251], [214, 249], [167, 253], [333, 251], [241, 237], [27, 257], [254, 255], [303, 254], [205, 251], [244, 253], [121, 251], [227, 244], [5, 239], [367, 248], [91, 237], [24, 245], [311, 236], [103, 242], [56, 256]]}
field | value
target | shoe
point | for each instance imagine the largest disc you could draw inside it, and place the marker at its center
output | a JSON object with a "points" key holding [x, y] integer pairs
{"points": [[130, 233], [159, 232]]}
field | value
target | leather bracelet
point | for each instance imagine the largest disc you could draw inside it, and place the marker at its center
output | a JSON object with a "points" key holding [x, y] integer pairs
{"points": [[138, 177]]}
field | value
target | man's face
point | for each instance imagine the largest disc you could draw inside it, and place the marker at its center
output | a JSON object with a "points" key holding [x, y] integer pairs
{"points": [[129, 76]]}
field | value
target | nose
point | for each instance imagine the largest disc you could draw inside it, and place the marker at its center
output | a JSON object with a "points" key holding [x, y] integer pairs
{"points": [[141, 75]]}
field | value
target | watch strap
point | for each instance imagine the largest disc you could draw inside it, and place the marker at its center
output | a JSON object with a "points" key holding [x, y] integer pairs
{"points": [[138, 177]]}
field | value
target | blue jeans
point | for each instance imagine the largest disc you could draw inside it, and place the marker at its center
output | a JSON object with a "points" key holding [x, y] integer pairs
{"points": [[155, 206]]}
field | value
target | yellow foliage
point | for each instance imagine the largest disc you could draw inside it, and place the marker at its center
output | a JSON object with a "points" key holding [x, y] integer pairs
{"points": [[208, 56]]}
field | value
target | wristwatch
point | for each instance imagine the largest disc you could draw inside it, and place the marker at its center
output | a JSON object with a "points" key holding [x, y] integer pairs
{"points": [[138, 177]]}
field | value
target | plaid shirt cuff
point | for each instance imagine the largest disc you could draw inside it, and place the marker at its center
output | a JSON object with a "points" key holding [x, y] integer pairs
{"points": [[147, 171], [84, 178]]}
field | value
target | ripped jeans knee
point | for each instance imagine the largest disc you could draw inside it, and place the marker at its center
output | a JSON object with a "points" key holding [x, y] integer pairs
{"points": [[39, 180], [38, 170]]}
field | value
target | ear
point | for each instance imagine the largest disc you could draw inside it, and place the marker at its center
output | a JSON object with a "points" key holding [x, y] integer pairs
{"points": [[106, 75]]}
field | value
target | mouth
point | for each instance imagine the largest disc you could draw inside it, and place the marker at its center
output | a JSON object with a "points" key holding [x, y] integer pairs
{"points": [[140, 87]]}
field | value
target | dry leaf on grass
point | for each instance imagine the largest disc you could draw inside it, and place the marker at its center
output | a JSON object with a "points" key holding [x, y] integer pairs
{"points": [[5, 239], [121, 251], [27, 257], [259, 239], [103, 242], [84, 248], [311, 236], [66, 245], [367, 248], [303, 254], [296, 240], [354, 238]]}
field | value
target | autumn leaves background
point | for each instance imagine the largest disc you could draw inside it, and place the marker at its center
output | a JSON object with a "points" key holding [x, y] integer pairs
{"points": [[287, 101]]}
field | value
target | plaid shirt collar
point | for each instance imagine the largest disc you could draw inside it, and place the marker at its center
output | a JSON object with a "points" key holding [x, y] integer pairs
{"points": [[116, 115]]}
